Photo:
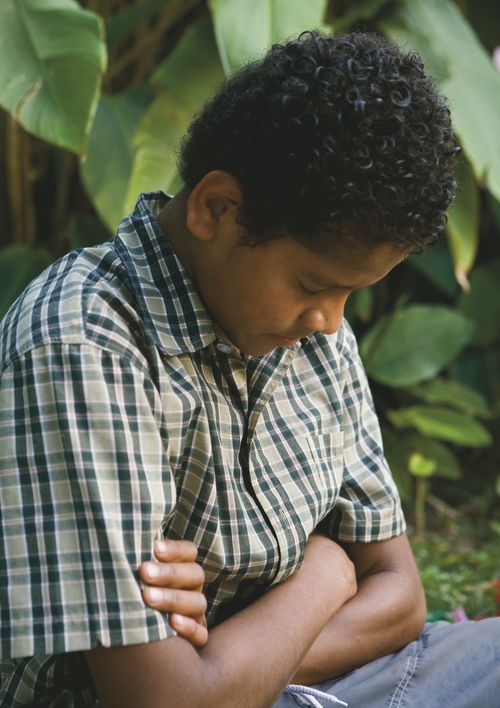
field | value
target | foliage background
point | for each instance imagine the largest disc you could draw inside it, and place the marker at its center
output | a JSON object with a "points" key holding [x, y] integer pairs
{"points": [[94, 97]]}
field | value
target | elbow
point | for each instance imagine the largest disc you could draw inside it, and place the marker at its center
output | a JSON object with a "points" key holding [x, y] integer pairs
{"points": [[417, 613], [410, 613], [421, 610]]}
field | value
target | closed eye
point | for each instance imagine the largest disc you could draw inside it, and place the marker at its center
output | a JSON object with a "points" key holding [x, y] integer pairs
{"points": [[311, 291], [315, 291]]}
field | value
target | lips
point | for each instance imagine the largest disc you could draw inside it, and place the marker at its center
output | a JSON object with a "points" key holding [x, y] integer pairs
{"points": [[286, 341]]}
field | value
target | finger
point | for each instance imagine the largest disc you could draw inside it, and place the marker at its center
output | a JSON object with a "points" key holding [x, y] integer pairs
{"points": [[184, 602], [187, 576], [195, 633], [175, 551]]}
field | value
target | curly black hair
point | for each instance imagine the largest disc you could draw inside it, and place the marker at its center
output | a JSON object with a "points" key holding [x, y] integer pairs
{"points": [[331, 137]]}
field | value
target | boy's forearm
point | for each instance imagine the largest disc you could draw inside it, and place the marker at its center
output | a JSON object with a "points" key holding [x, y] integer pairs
{"points": [[276, 641], [248, 659], [378, 621], [387, 612]]}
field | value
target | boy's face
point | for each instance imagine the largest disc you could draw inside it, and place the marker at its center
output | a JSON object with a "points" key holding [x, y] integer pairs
{"points": [[271, 296]]}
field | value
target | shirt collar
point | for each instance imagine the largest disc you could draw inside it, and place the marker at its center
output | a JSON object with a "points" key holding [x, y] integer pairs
{"points": [[170, 307]]}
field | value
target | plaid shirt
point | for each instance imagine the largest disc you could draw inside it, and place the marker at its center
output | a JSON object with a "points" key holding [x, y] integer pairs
{"points": [[123, 417]]}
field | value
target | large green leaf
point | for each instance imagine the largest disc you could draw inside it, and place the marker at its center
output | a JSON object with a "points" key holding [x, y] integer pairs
{"points": [[155, 143], [453, 53], [193, 71], [396, 457], [463, 223], [436, 264], [245, 30], [189, 76], [360, 305], [18, 266], [443, 424], [52, 56], [452, 393], [482, 302], [479, 368], [108, 163], [414, 343], [364, 10]]}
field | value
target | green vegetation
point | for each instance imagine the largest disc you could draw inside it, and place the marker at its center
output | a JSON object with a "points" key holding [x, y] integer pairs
{"points": [[95, 96], [459, 574]]}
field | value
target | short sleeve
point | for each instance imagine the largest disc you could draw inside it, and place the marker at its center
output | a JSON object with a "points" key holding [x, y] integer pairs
{"points": [[84, 487], [368, 507]]}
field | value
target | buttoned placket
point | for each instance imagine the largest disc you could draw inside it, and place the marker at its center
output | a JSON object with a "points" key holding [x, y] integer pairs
{"points": [[276, 517], [234, 367]]}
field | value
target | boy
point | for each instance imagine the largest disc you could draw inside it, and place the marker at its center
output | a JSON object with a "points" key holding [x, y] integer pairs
{"points": [[194, 379]]}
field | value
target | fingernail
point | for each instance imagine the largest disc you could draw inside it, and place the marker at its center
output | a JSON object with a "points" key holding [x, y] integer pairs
{"points": [[153, 570], [161, 546], [155, 594], [179, 620]]}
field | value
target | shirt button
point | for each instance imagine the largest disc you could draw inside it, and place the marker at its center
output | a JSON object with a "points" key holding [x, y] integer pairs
{"points": [[224, 348]]}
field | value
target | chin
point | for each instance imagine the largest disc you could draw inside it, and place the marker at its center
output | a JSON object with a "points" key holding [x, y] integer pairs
{"points": [[258, 350], [258, 345]]}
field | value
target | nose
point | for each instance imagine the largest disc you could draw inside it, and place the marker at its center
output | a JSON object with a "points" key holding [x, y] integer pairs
{"points": [[326, 317]]}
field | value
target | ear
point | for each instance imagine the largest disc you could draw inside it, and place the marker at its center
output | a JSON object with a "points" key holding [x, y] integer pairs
{"points": [[213, 203]]}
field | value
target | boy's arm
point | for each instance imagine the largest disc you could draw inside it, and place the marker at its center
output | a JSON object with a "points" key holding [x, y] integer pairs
{"points": [[248, 659], [387, 612]]}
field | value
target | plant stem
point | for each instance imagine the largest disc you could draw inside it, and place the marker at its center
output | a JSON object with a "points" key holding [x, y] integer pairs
{"points": [[420, 499]]}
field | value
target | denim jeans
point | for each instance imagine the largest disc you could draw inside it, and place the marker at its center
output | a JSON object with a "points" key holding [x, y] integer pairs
{"points": [[448, 666]]}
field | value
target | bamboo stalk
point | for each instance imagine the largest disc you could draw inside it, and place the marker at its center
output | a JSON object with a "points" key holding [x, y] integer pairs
{"points": [[19, 185], [66, 163], [14, 179], [148, 40], [4, 204], [28, 179]]}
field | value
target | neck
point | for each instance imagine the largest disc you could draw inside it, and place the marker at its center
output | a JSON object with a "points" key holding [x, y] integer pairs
{"points": [[172, 221]]}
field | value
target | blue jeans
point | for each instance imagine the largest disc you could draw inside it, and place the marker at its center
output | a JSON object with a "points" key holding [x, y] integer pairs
{"points": [[448, 666]]}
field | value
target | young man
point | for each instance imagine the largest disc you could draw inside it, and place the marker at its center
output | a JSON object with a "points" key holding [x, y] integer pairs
{"points": [[194, 380]]}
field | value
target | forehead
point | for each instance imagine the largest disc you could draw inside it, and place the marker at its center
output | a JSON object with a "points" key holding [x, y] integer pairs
{"points": [[351, 266]]}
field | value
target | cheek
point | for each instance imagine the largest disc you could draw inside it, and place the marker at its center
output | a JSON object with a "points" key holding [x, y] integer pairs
{"points": [[277, 308], [261, 298]]}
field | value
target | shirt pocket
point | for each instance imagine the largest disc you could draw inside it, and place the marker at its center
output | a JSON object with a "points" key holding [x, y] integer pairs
{"points": [[326, 453]]}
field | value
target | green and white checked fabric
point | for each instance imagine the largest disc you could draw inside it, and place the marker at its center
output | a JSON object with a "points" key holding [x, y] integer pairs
{"points": [[124, 418]]}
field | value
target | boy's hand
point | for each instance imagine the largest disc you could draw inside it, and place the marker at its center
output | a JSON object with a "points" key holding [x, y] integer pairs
{"points": [[175, 585]]}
